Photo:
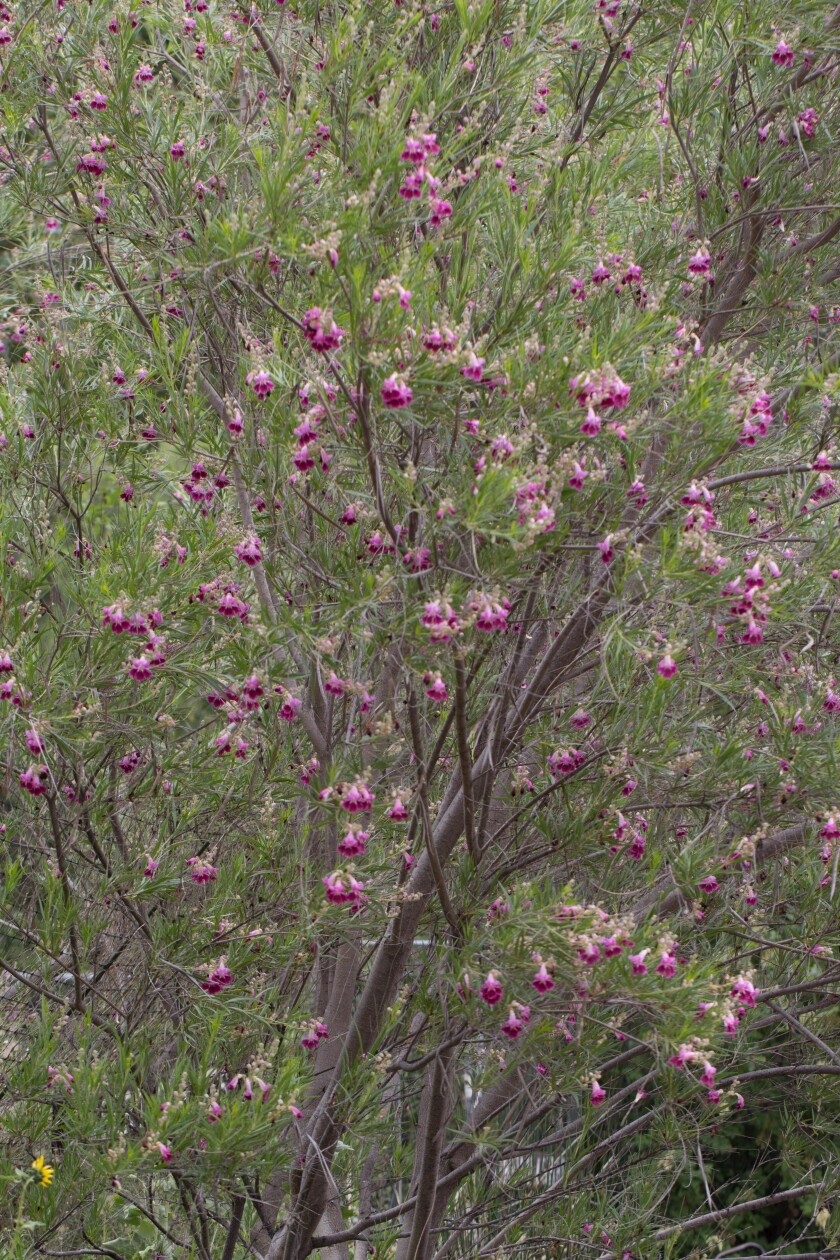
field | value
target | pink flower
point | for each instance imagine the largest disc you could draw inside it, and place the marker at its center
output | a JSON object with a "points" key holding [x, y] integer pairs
{"points": [[589, 953], [334, 686], [358, 798], [218, 979], [542, 981], [684, 1055], [592, 424], [231, 605], [34, 742], [248, 551], [700, 263], [667, 965], [491, 990], [637, 962], [474, 368], [353, 844], [564, 762], [580, 719], [667, 667], [151, 867], [139, 668], [513, 1025], [437, 690], [260, 382], [398, 811], [597, 1095], [629, 786], [201, 872], [35, 780], [321, 330], [782, 55], [708, 885], [395, 393], [709, 1073], [342, 888], [176, 150], [744, 990], [165, 1153]]}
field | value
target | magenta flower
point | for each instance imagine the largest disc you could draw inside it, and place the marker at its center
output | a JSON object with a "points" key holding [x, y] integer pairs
{"points": [[564, 762], [231, 605], [637, 962], [260, 382], [201, 872], [218, 979], [248, 551], [597, 1095], [708, 885], [684, 1055], [6, 665], [321, 330], [353, 843], [513, 1025], [437, 690], [165, 1153], [176, 150], [542, 981], [35, 780], [139, 668], [474, 367], [151, 867], [491, 990], [782, 55], [667, 667], [398, 811], [395, 393], [358, 798], [709, 1073], [334, 686], [667, 965], [744, 990], [34, 742], [699, 264]]}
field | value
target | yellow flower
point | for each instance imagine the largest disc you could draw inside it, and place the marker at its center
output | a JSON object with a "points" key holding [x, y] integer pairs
{"points": [[44, 1170]]}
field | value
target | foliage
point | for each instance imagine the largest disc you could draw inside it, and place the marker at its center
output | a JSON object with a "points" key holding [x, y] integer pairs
{"points": [[417, 634]]}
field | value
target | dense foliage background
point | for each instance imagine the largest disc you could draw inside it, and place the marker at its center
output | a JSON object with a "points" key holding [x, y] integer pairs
{"points": [[417, 630]]}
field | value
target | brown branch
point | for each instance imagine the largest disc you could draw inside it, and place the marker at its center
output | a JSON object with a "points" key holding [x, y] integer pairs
{"points": [[752, 1205]]}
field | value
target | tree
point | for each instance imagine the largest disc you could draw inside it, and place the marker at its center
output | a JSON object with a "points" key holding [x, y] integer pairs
{"points": [[417, 629]]}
